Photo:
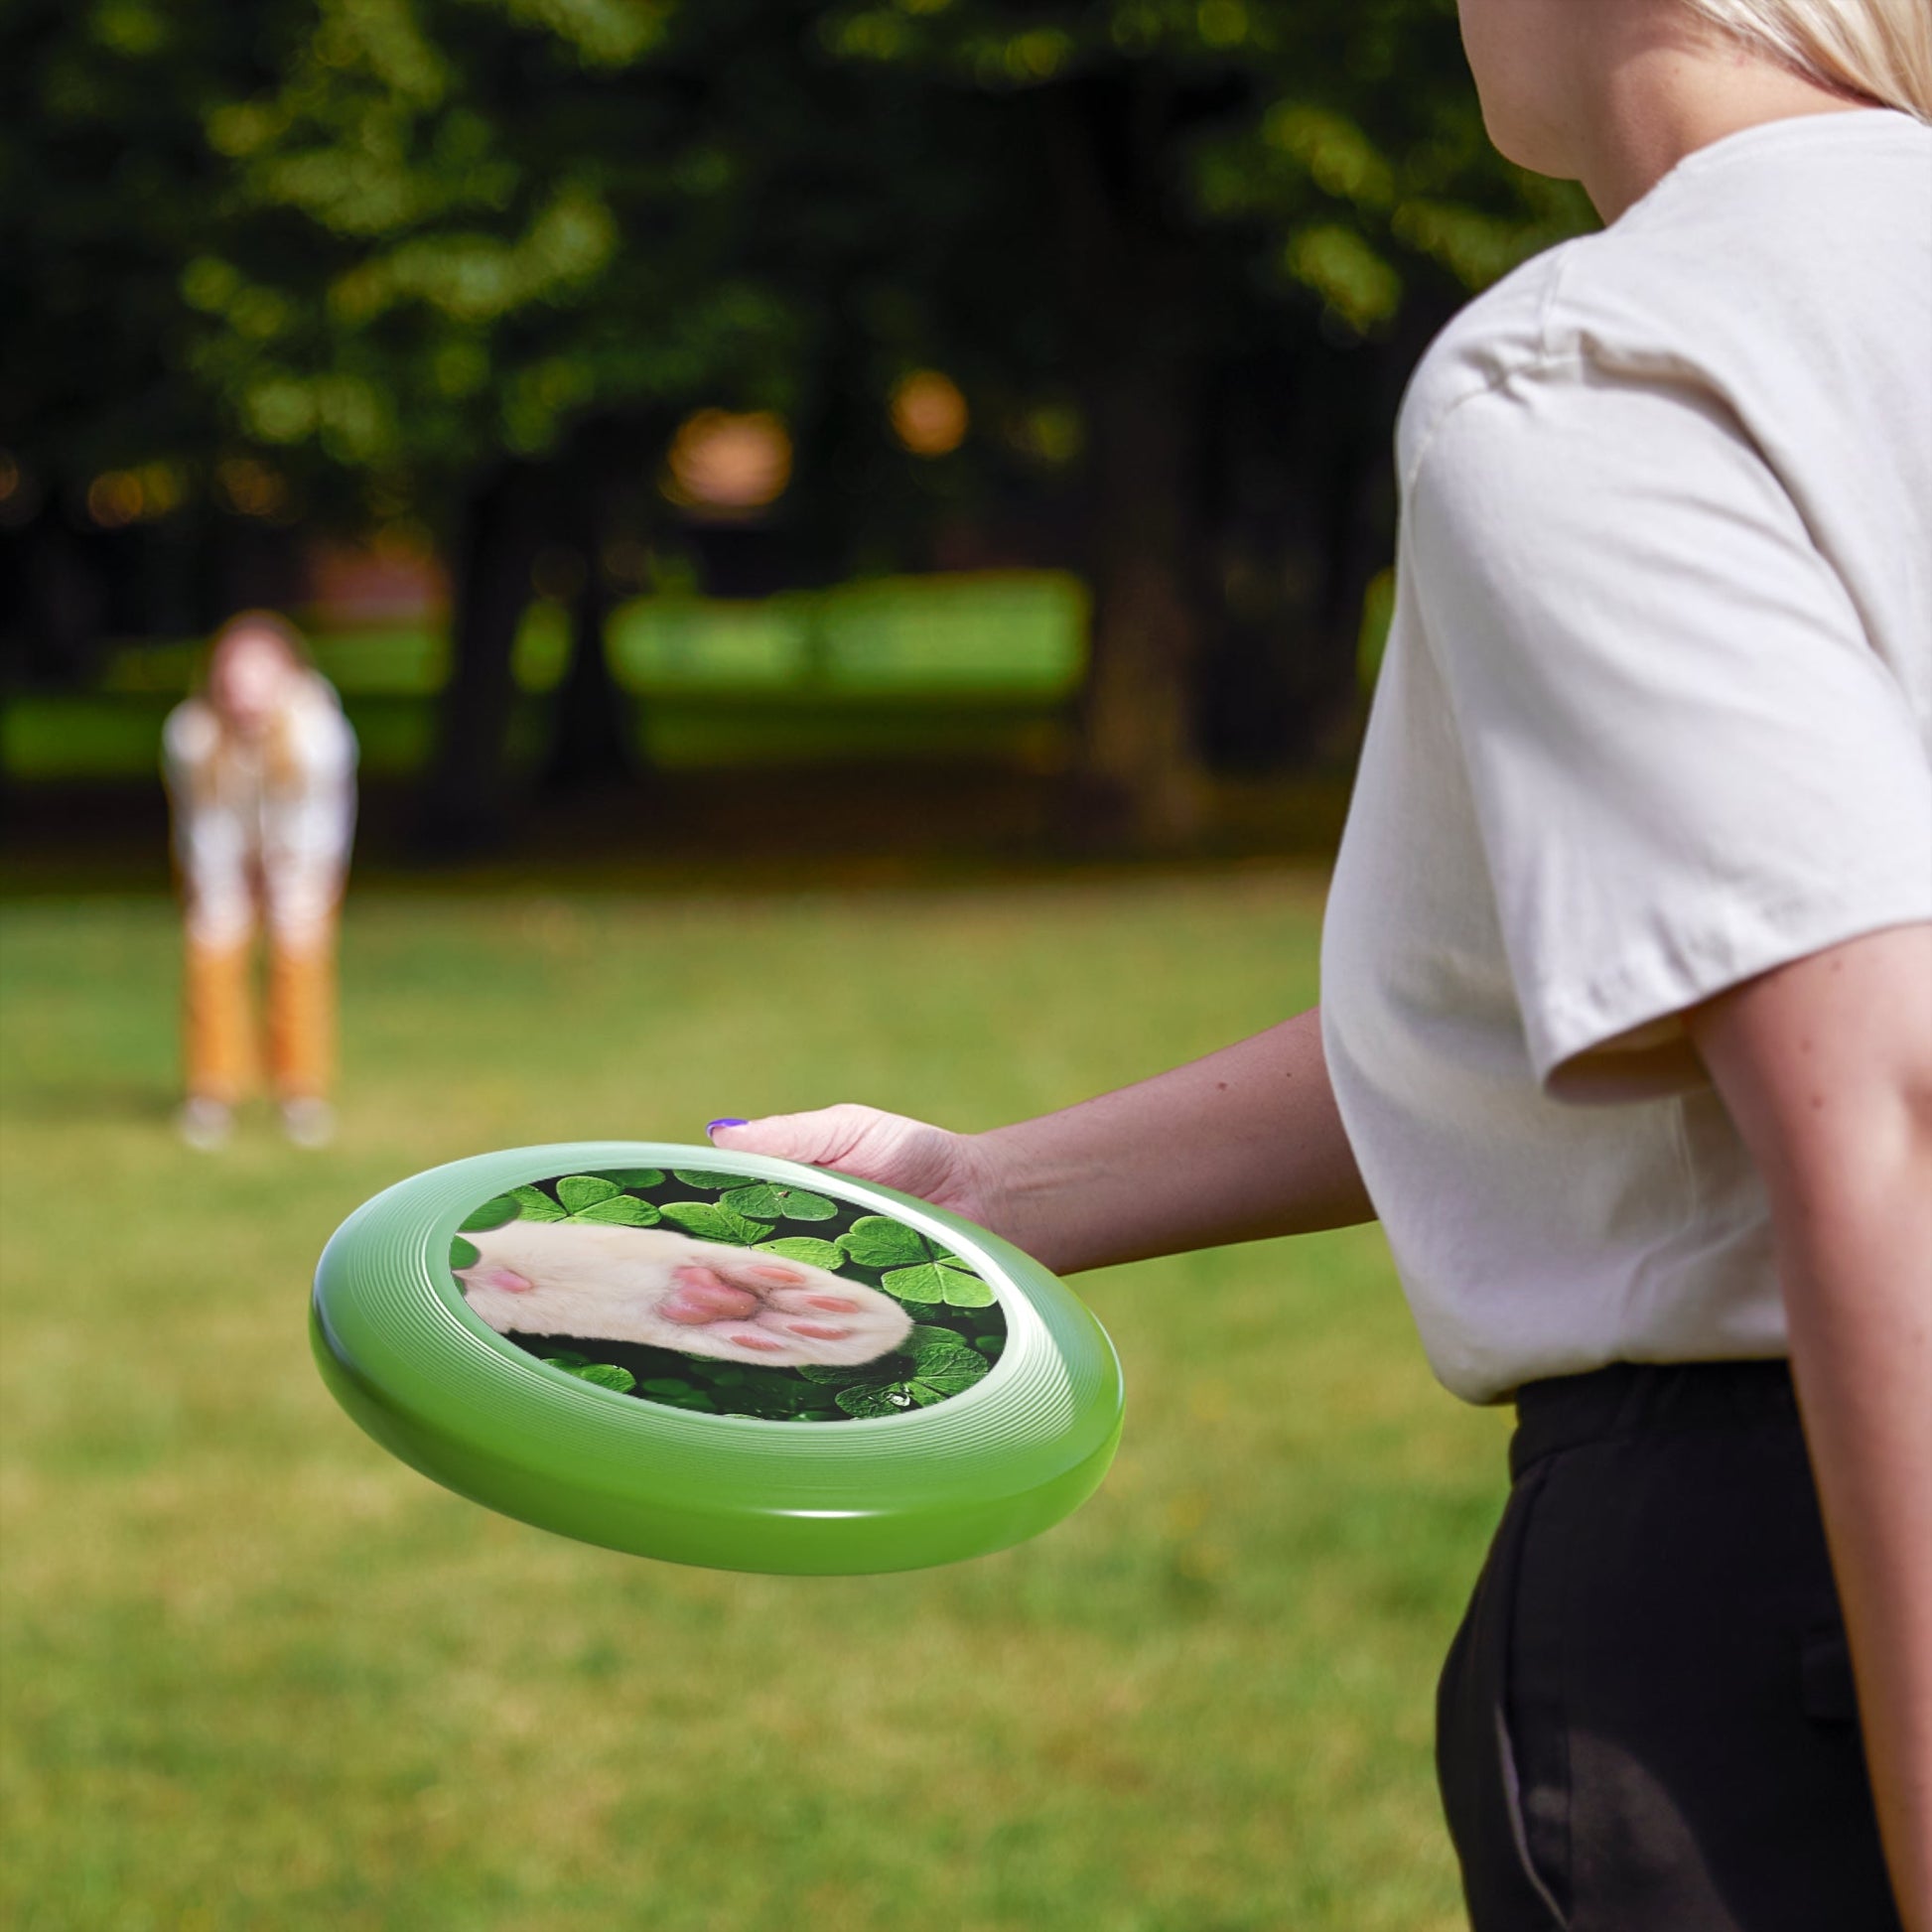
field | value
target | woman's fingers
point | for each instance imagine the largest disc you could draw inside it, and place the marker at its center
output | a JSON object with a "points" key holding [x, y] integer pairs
{"points": [[909, 1154]]}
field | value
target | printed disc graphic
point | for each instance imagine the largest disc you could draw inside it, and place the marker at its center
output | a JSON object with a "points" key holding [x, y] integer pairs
{"points": [[716, 1358]]}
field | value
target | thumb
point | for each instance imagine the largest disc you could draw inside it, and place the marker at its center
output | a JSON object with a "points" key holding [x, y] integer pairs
{"points": [[819, 1139], [904, 1153]]}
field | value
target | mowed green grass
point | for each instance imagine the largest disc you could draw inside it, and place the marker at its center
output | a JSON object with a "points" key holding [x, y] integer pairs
{"points": [[259, 1675]]}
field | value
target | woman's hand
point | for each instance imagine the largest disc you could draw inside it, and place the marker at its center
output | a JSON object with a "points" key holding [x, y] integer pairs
{"points": [[951, 1170]]}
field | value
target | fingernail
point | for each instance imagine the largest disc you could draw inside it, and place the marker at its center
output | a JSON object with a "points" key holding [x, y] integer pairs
{"points": [[713, 1126]]}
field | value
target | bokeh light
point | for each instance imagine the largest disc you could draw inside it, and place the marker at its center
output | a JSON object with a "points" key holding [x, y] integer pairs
{"points": [[118, 497], [728, 464], [249, 487], [929, 415]]}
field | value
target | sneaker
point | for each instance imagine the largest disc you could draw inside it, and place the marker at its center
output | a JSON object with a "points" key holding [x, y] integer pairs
{"points": [[205, 1124], [308, 1121]]}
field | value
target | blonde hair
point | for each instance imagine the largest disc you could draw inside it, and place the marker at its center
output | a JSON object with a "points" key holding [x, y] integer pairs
{"points": [[1877, 50]]}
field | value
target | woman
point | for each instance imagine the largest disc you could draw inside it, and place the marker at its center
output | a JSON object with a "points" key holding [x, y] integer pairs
{"points": [[1627, 1021], [260, 768]]}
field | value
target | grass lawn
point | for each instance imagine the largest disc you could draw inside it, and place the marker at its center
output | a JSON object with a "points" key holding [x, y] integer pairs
{"points": [[256, 1674]]}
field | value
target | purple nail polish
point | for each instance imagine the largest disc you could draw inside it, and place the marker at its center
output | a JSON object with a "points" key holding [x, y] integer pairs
{"points": [[712, 1126]]}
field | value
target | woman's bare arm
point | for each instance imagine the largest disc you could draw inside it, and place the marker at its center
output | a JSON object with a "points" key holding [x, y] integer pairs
{"points": [[1826, 1067], [1244, 1144]]}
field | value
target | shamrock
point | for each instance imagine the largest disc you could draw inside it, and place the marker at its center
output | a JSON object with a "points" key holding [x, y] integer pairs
{"points": [[603, 1375], [917, 1268], [711, 1221], [580, 1197], [941, 1365]]}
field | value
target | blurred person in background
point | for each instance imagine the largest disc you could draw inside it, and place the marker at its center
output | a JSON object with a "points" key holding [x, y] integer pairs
{"points": [[1626, 1021], [260, 766]]}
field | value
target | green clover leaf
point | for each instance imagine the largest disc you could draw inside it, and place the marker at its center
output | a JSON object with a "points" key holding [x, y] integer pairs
{"points": [[764, 1201], [635, 1177], [949, 1360], [620, 1210], [606, 1375], [876, 1399], [493, 1213], [832, 1377], [876, 1242], [711, 1222], [578, 1192], [947, 1280], [463, 1254], [697, 1177], [535, 1205], [806, 1248]]}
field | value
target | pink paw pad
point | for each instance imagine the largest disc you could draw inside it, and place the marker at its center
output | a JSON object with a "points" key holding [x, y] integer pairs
{"points": [[703, 1296]]}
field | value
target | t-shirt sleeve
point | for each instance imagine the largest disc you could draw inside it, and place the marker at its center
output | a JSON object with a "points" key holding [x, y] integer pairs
{"points": [[1688, 764]]}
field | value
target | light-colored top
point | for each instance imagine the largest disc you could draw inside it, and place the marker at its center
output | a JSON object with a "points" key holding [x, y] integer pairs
{"points": [[1655, 717], [265, 823]]}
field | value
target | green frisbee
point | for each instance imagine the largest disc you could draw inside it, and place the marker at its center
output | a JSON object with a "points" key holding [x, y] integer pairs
{"points": [[716, 1358]]}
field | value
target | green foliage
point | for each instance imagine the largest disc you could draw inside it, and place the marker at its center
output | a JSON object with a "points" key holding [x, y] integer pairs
{"points": [[592, 1197], [580, 1197], [605, 1375], [535, 1205], [711, 1222], [767, 1202], [463, 1254], [933, 1364], [390, 241], [806, 1248], [493, 1213], [917, 1268]]}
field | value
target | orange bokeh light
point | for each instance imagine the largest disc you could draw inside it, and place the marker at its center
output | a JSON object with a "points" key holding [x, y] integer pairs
{"points": [[728, 464], [929, 414]]}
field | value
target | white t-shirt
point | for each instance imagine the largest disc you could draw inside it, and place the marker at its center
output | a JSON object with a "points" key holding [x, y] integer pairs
{"points": [[1655, 717], [245, 830]]}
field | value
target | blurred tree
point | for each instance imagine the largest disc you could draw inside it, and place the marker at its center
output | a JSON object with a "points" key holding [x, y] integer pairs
{"points": [[1257, 213], [469, 262], [106, 187]]}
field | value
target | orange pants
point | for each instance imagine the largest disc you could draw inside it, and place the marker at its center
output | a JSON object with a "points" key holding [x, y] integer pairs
{"points": [[218, 1017]]}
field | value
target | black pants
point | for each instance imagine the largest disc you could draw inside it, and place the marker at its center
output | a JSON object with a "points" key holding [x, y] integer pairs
{"points": [[1646, 1722]]}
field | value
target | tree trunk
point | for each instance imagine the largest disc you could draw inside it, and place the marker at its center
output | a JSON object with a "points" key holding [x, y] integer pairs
{"points": [[593, 745], [1133, 303], [467, 803], [590, 740], [1140, 753]]}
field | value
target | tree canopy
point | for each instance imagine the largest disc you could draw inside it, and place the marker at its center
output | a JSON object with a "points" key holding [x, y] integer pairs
{"points": [[444, 260]]}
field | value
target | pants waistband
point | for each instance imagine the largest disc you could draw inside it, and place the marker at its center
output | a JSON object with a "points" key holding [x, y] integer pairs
{"points": [[1641, 1398]]}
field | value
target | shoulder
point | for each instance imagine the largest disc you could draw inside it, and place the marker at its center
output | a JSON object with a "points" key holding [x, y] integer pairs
{"points": [[1784, 257], [318, 734], [191, 734], [1495, 338]]}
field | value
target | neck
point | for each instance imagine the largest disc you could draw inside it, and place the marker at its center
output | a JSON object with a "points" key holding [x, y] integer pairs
{"points": [[1662, 91]]}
